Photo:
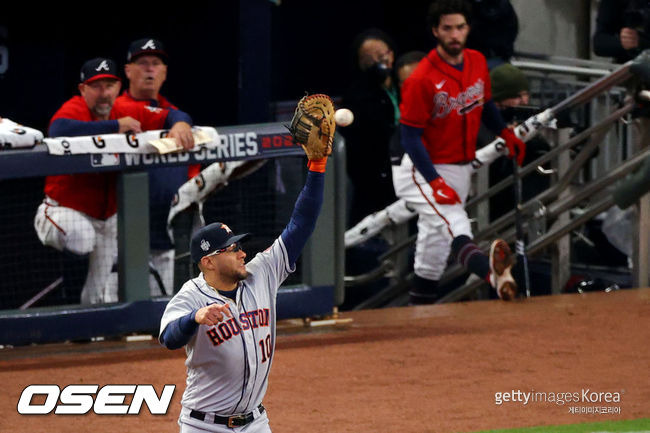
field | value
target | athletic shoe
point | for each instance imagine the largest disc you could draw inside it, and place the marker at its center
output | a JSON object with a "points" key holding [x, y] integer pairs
{"points": [[501, 261]]}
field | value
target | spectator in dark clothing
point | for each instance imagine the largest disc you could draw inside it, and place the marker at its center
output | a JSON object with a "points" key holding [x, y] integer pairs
{"points": [[622, 29], [373, 98], [510, 94], [494, 29]]}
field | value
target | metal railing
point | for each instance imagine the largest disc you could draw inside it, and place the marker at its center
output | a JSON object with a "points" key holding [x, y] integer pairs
{"points": [[585, 166]]}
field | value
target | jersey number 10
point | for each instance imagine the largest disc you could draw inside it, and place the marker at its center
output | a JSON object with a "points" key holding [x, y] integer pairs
{"points": [[265, 347]]}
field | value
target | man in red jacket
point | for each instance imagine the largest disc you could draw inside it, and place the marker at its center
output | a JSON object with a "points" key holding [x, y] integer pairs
{"points": [[146, 70], [78, 213], [443, 104]]}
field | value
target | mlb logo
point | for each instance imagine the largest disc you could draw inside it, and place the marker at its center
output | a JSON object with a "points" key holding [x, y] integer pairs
{"points": [[104, 159]]}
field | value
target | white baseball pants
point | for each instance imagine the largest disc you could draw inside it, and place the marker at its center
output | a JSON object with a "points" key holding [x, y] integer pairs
{"points": [[67, 229], [437, 224]]}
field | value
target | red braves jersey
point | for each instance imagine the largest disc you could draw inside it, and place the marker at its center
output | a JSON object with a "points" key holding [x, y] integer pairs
{"points": [[94, 193], [162, 101], [447, 104]]}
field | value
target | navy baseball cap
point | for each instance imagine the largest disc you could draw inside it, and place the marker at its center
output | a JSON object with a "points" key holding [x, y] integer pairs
{"points": [[98, 68], [147, 46], [211, 238]]}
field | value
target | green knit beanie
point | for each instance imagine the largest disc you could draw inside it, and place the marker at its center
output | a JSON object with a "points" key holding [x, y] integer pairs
{"points": [[507, 82]]}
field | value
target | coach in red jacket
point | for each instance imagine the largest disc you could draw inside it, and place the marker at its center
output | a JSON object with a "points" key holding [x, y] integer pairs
{"points": [[146, 70], [78, 213], [443, 104]]}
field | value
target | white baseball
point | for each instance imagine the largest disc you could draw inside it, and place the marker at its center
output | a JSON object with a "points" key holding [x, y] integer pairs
{"points": [[343, 117]]}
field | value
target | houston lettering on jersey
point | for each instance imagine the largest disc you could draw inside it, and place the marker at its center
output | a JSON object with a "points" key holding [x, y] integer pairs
{"points": [[227, 329], [463, 103]]}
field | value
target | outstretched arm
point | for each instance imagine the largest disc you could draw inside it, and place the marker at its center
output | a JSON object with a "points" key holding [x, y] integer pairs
{"points": [[304, 216]]}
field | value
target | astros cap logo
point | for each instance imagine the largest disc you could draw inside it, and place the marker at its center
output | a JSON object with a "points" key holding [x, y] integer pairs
{"points": [[226, 228]]}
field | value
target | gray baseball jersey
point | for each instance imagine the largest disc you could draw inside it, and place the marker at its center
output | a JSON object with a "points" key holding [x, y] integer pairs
{"points": [[228, 365]]}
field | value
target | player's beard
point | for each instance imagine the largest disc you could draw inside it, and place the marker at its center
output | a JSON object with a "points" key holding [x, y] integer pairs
{"points": [[452, 50], [242, 275], [103, 107]]}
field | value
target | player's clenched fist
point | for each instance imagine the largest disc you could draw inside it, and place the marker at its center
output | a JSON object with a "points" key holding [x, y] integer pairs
{"points": [[443, 193], [212, 314]]}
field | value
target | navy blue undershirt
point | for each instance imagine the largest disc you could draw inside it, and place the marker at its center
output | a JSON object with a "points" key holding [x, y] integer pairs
{"points": [[295, 235], [63, 127]]}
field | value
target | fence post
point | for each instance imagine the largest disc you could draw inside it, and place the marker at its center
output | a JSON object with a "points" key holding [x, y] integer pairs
{"points": [[133, 236], [323, 256], [561, 253], [642, 215]]}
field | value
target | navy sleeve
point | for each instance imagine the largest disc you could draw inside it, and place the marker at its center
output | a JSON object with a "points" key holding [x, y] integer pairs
{"points": [[304, 216], [71, 128], [176, 116], [411, 139], [179, 332], [491, 117]]}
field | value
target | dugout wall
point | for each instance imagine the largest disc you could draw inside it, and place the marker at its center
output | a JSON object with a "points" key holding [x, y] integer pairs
{"points": [[261, 203]]}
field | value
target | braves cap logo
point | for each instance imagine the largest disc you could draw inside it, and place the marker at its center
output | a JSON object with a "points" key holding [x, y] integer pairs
{"points": [[226, 228], [103, 66], [149, 45], [205, 245]]}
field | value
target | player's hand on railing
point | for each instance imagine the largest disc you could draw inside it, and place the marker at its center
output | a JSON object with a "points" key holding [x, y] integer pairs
{"points": [[212, 314], [129, 124], [443, 193], [182, 133], [514, 144]]}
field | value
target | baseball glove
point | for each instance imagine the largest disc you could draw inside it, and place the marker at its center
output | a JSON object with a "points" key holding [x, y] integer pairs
{"points": [[313, 125]]}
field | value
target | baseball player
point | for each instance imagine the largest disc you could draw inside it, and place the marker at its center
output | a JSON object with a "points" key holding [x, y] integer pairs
{"points": [[443, 103], [78, 213], [146, 70], [226, 317]]}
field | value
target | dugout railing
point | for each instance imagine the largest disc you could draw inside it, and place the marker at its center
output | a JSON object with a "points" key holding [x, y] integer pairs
{"points": [[316, 289], [605, 143]]}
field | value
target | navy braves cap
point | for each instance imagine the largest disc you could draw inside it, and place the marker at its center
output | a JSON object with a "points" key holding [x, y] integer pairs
{"points": [[147, 46], [213, 237], [98, 68]]}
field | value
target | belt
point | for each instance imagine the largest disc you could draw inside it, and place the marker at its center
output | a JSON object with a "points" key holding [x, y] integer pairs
{"points": [[230, 421]]}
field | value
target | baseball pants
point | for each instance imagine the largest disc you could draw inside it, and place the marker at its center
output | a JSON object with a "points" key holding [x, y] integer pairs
{"points": [[162, 261], [70, 230], [437, 224], [190, 425]]}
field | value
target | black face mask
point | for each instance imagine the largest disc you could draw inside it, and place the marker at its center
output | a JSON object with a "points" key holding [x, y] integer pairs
{"points": [[378, 72]]}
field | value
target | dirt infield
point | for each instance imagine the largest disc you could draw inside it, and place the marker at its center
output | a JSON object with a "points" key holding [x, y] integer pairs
{"points": [[416, 369]]}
